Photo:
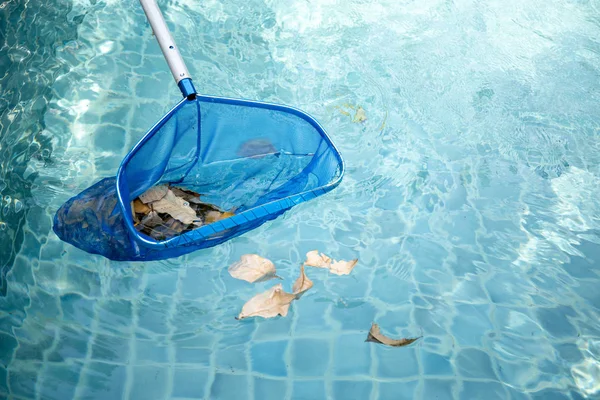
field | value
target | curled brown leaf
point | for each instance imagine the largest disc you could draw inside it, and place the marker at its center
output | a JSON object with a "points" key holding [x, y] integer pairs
{"points": [[302, 284], [376, 336]]}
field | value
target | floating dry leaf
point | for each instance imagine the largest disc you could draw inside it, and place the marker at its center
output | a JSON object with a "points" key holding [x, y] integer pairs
{"points": [[253, 268], [376, 336], [342, 267], [360, 115], [302, 284], [176, 207], [268, 304], [155, 193], [314, 259]]}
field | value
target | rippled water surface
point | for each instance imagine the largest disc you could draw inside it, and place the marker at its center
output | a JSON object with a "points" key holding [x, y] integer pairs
{"points": [[470, 200]]}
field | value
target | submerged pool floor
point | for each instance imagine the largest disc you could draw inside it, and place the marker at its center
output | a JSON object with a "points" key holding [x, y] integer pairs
{"points": [[470, 135]]}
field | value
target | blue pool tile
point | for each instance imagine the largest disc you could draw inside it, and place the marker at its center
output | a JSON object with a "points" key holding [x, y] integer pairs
{"points": [[436, 364], [474, 363], [164, 284], [352, 389], [556, 321], [471, 324], [191, 355], [150, 351], [397, 390], [310, 357], [154, 315], [3, 380], [503, 288], [482, 390], [516, 394], [43, 305], [149, 382], [114, 315], [576, 395], [352, 355], [308, 390], [22, 380], [232, 359], [353, 314], [103, 381], [520, 374], [391, 289], [35, 351], [550, 394], [356, 284], [191, 286], [109, 138], [83, 281], [72, 343], [312, 316], [569, 352], [273, 329], [438, 389], [77, 309], [9, 344], [190, 382], [269, 389], [226, 387], [268, 358], [396, 362], [431, 321], [114, 349], [126, 287], [60, 381]]}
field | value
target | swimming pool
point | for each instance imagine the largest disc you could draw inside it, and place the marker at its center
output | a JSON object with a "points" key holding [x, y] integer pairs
{"points": [[470, 199]]}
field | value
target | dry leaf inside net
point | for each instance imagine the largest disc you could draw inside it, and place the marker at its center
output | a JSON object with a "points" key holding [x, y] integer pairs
{"points": [[271, 303], [376, 336], [155, 193], [176, 207], [187, 195], [302, 284], [253, 268], [152, 220]]}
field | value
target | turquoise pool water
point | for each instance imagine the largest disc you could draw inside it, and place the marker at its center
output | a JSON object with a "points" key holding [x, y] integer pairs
{"points": [[470, 199]]}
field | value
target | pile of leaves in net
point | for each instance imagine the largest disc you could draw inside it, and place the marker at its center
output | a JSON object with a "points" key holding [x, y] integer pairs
{"points": [[166, 211]]}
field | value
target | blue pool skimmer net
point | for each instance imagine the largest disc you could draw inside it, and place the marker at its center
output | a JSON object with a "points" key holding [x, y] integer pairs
{"points": [[256, 158]]}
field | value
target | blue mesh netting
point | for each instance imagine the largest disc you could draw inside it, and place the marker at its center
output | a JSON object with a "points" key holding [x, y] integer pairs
{"points": [[259, 159]]}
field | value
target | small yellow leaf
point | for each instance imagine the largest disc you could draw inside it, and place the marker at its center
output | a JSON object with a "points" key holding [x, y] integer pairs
{"points": [[302, 284], [314, 259], [376, 336], [213, 216], [342, 267], [253, 268], [360, 115], [268, 304], [140, 207]]}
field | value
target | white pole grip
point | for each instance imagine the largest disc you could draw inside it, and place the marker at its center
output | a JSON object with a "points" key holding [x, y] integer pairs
{"points": [[165, 40]]}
